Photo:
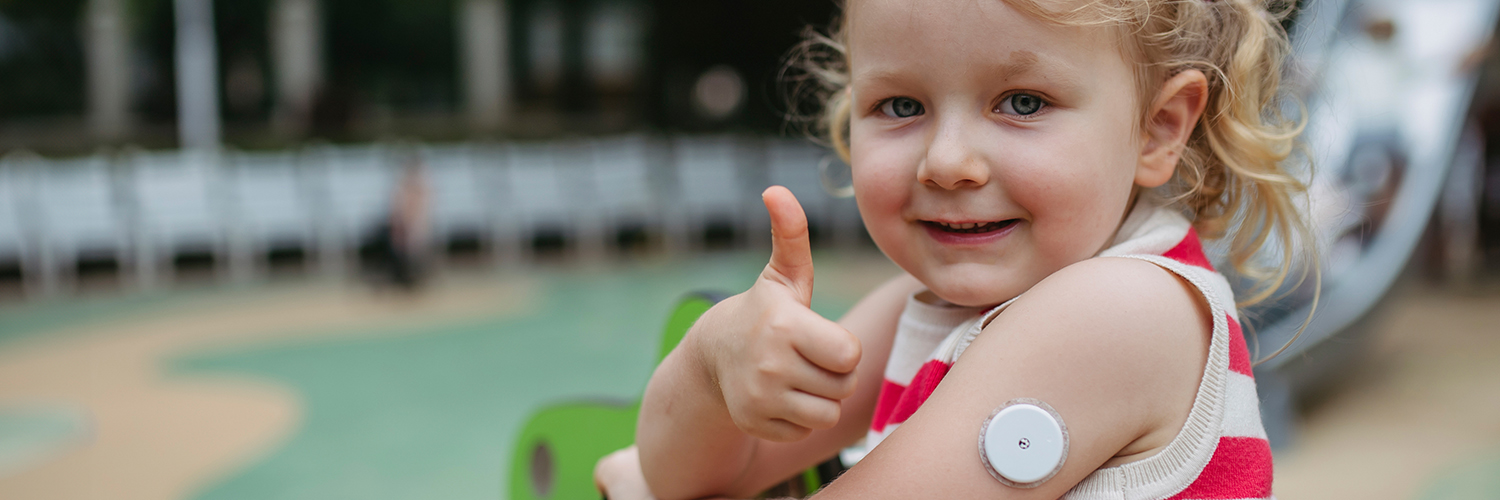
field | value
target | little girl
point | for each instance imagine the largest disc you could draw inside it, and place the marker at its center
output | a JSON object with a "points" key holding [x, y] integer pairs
{"points": [[1042, 170]]}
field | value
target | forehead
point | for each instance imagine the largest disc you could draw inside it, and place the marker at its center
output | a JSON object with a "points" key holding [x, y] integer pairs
{"points": [[936, 37]]}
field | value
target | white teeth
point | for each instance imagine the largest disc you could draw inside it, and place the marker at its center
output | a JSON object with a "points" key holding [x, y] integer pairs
{"points": [[961, 226]]}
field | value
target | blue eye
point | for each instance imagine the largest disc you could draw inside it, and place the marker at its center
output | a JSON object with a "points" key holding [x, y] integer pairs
{"points": [[901, 107], [1021, 104]]}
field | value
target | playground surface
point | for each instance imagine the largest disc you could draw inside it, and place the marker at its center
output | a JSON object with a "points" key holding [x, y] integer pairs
{"points": [[313, 389]]}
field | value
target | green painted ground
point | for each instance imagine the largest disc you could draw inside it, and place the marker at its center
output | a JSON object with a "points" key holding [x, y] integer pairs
{"points": [[433, 413], [29, 434], [30, 319], [1477, 479]]}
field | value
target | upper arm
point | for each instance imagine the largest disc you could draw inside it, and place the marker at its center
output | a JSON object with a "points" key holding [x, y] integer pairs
{"points": [[1116, 346], [873, 320]]}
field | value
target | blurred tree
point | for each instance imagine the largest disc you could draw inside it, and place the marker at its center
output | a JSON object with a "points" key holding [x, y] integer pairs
{"points": [[244, 58], [396, 53], [381, 55], [241, 31], [388, 61], [41, 56], [689, 37]]}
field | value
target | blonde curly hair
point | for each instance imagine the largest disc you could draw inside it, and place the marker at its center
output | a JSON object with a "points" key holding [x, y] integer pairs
{"points": [[1231, 175]]}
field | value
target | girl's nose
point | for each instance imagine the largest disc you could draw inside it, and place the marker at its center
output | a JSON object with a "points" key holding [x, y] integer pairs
{"points": [[951, 162]]}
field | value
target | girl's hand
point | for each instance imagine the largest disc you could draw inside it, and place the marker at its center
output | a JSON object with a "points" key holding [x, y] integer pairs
{"points": [[618, 476], [781, 368]]}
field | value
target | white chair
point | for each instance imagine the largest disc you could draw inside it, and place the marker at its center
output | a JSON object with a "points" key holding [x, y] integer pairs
{"points": [[457, 193], [353, 186], [709, 190], [15, 235], [179, 208], [623, 193], [491, 170], [538, 188], [78, 217], [269, 208]]}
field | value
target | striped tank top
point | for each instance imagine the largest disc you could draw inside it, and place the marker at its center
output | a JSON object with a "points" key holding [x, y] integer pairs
{"points": [[1221, 451]]}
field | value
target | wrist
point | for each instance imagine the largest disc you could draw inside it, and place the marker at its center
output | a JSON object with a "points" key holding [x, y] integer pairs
{"points": [[700, 351]]}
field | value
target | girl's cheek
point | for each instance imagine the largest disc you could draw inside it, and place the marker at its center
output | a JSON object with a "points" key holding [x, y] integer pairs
{"points": [[883, 173], [881, 196], [879, 199], [1073, 199]]}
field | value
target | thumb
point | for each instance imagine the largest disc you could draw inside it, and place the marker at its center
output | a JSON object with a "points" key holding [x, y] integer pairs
{"points": [[791, 252]]}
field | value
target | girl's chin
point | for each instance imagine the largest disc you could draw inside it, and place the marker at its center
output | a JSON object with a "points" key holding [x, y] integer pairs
{"points": [[969, 289]]}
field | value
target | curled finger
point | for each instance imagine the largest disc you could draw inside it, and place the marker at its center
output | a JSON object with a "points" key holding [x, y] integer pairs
{"points": [[810, 411], [823, 383], [827, 345]]}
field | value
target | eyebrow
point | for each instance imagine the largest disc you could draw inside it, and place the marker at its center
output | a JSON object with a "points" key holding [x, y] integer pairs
{"points": [[1023, 62], [1020, 63]]}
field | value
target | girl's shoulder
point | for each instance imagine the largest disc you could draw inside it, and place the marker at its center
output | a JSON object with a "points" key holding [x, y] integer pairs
{"points": [[1134, 308]]}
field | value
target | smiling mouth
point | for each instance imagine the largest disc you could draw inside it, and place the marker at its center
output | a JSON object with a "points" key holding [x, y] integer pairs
{"points": [[970, 227]]}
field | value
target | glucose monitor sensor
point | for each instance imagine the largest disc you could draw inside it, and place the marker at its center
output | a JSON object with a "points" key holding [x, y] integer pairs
{"points": [[1024, 443]]}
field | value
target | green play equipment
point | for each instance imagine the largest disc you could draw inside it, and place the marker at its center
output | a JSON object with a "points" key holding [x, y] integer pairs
{"points": [[555, 454]]}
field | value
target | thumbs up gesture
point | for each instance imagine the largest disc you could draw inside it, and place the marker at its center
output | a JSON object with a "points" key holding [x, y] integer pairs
{"points": [[781, 368]]}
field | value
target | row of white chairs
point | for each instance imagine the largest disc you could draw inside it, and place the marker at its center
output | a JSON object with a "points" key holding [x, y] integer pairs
{"points": [[142, 209]]}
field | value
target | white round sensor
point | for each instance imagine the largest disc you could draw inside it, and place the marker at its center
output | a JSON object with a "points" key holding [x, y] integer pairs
{"points": [[1024, 443]]}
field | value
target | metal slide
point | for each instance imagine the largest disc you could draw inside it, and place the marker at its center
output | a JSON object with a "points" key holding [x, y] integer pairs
{"points": [[1388, 92]]}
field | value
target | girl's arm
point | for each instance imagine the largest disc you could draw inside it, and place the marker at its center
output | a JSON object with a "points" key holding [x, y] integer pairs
{"points": [[1116, 346]]}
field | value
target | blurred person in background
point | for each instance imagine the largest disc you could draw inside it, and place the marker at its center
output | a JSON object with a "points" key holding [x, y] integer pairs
{"points": [[401, 242]]}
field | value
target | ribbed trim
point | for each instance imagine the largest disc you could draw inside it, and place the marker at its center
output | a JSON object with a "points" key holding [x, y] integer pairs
{"points": [[932, 322], [1174, 468], [951, 353]]}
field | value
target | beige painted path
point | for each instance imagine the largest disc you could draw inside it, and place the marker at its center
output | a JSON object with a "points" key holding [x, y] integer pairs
{"points": [[159, 438], [1425, 401]]}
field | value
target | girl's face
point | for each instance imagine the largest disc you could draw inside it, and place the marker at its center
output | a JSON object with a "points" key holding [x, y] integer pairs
{"points": [[989, 149]]}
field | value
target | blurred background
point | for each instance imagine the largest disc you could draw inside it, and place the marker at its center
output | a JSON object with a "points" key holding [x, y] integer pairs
{"points": [[372, 248]]}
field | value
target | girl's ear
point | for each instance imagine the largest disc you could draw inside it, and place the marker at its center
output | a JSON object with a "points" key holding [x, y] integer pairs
{"points": [[1172, 116]]}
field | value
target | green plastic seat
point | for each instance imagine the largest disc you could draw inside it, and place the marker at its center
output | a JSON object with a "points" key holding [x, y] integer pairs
{"points": [[555, 455]]}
